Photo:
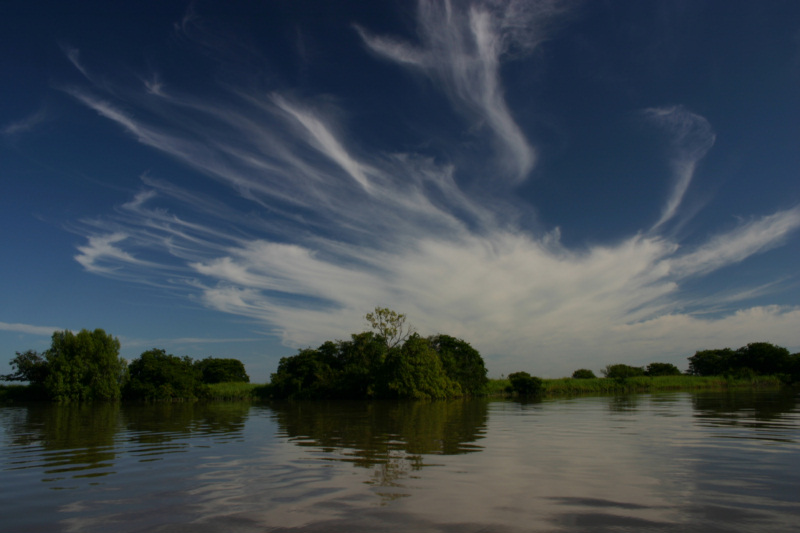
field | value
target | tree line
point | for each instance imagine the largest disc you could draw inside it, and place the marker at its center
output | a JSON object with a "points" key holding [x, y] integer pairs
{"points": [[86, 366], [389, 362], [753, 359]]}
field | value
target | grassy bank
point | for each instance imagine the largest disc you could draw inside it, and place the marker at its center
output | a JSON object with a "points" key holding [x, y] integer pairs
{"points": [[495, 388], [234, 391], [570, 386]]}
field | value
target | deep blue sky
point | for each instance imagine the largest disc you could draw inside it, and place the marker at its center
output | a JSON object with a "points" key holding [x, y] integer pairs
{"points": [[562, 184]]}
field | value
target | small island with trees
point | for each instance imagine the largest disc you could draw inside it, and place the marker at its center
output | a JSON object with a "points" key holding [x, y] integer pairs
{"points": [[389, 362]]}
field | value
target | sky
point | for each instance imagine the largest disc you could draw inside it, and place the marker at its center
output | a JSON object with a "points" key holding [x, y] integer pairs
{"points": [[563, 185]]}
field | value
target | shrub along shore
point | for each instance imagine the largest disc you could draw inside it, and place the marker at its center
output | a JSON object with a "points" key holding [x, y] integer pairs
{"points": [[390, 362], [496, 388]]}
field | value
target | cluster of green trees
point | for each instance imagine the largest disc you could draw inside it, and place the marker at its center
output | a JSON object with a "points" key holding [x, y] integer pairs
{"points": [[86, 366], [756, 358], [389, 362], [621, 371]]}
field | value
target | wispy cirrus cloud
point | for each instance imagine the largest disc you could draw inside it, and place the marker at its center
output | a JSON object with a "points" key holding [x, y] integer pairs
{"points": [[28, 329], [462, 50], [24, 125], [316, 227], [691, 138]]}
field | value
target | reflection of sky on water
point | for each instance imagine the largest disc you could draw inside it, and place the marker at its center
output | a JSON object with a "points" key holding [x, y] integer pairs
{"points": [[669, 462]]}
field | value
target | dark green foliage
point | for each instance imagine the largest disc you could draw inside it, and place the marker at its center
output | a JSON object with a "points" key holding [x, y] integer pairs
{"points": [[583, 373], [84, 366], [359, 362], [462, 363], [29, 366], [662, 369], [414, 370], [157, 375], [524, 384], [757, 358], [762, 358], [309, 374], [369, 366], [711, 362], [621, 371], [214, 370]]}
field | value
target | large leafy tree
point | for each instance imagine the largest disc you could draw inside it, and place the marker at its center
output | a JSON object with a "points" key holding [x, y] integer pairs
{"points": [[711, 362], [308, 374], [462, 363], [622, 371], [218, 370], [414, 370], [762, 358], [84, 366], [157, 375], [29, 366], [524, 384], [390, 325], [385, 363], [662, 369]]}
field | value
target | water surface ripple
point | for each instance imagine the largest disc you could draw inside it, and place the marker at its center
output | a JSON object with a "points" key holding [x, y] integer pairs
{"points": [[660, 462]]}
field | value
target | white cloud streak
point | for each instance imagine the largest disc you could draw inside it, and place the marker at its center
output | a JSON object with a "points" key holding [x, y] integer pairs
{"points": [[25, 125], [28, 329], [461, 50], [692, 137], [317, 229]]}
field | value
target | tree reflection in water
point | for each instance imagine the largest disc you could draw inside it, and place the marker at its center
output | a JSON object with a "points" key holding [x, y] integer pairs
{"points": [[391, 438]]}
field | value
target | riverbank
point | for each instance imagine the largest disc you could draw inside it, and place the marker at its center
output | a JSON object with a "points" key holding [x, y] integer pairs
{"points": [[495, 388]]}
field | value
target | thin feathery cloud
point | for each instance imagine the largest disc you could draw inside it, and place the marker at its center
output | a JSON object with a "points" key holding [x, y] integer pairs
{"points": [[28, 329], [462, 50], [691, 138], [24, 125]]}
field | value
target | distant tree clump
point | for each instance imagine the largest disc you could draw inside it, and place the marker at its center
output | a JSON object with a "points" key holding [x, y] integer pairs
{"points": [[84, 366], [757, 358], [77, 367], [621, 371], [216, 370], [389, 362], [662, 369], [583, 373], [30, 366], [523, 384], [157, 375]]}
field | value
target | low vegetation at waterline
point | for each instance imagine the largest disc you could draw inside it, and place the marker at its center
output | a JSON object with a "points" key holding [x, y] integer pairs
{"points": [[86, 366], [389, 362]]}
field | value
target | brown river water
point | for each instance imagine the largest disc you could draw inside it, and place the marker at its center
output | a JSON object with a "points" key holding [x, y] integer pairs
{"points": [[705, 462]]}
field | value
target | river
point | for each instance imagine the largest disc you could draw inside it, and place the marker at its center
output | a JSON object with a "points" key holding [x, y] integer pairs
{"points": [[704, 462]]}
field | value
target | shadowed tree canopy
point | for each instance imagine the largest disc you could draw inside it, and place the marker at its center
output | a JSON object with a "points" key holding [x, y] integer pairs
{"points": [[29, 366], [216, 370], [157, 375], [84, 366], [583, 373], [760, 358], [386, 363]]}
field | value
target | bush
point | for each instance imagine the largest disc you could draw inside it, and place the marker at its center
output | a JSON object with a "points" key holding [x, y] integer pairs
{"points": [[462, 363], [414, 370], [620, 371], [213, 370], [389, 363], [524, 384], [761, 358], [157, 375], [583, 373], [84, 366], [662, 369]]}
